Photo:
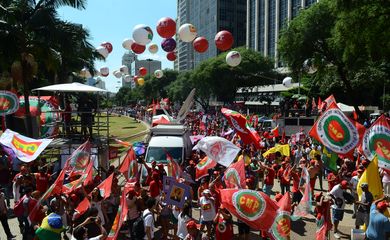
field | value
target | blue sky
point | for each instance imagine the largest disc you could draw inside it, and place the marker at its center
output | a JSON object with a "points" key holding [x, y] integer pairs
{"points": [[113, 21]]}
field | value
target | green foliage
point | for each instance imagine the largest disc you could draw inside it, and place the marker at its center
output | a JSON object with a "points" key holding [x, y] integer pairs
{"points": [[348, 43]]}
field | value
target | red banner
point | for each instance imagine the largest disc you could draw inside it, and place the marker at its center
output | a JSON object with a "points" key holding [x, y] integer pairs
{"points": [[238, 122], [235, 175], [129, 166], [254, 208], [202, 168]]}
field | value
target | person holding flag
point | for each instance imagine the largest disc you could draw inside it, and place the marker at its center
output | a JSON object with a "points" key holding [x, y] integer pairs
{"points": [[362, 213], [379, 225]]}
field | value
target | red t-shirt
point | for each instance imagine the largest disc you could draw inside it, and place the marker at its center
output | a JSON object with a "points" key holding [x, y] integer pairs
{"points": [[282, 178], [42, 182], [223, 229], [154, 188], [332, 180], [295, 177], [269, 178]]}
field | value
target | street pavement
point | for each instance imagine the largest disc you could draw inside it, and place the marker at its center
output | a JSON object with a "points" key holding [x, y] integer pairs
{"points": [[304, 229]]}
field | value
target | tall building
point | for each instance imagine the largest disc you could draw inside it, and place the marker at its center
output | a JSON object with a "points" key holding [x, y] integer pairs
{"points": [[127, 59], [265, 19], [209, 17]]}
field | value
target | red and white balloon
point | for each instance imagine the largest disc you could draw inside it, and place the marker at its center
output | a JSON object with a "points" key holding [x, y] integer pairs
{"points": [[137, 48], [158, 73], [171, 56], [200, 44], [104, 71], [224, 40], [142, 34], [103, 51], [187, 32], [233, 58], [142, 71], [153, 48], [166, 27], [107, 46]]}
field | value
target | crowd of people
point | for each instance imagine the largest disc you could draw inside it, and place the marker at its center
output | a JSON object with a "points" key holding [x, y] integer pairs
{"points": [[150, 217]]}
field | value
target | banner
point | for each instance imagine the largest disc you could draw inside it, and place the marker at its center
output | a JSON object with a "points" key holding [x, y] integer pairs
{"points": [[9, 102], [254, 208], [281, 227], [336, 131], [178, 193], [219, 149], [303, 209], [376, 141], [25, 148], [78, 161], [283, 149], [234, 176], [85, 179], [239, 123], [105, 187], [202, 168], [329, 159], [129, 166], [119, 218]]}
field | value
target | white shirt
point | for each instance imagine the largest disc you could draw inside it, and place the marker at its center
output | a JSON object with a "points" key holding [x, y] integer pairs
{"points": [[354, 182], [207, 209], [181, 225], [148, 222], [337, 192]]}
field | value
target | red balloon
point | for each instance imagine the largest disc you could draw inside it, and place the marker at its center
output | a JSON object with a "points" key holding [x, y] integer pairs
{"points": [[224, 40], [137, 48], [107, 46], [171, 56], [135, 78], [200, 44], [142, 71], [166, 27]]}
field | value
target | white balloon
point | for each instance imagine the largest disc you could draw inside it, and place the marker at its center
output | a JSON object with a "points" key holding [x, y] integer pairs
{"points": [[153, 48], [287, 82], [117, 74], [158, 73], [126, 44], [104, 71], [142, 34], [187, 32], [233, 58], [127, 78], [124, 69], [103, 51]]}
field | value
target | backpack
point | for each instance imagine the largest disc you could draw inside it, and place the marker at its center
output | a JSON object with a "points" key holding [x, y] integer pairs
{"points": [[19, 208], [138, 228]]}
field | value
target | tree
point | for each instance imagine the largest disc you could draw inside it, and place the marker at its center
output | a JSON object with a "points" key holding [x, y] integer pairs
{"points": [[35, 44], [349, 50]]}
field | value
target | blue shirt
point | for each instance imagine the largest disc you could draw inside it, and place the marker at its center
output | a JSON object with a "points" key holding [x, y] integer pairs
{"points": [[379, 225]]}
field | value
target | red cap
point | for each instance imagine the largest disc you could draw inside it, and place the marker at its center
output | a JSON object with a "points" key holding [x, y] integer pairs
{"points": [[312, 162], [344, 184], [382, 206], [191, 224]]}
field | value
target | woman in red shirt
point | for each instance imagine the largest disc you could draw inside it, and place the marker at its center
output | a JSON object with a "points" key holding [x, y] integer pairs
{"points": [[223, 224]]}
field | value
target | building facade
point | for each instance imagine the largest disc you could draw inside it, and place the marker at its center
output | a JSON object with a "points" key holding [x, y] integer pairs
{"points": [[209, 17], [265, 19], [128, 59]]}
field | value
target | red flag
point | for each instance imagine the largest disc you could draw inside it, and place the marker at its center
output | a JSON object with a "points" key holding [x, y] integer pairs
{"points": [[327, 102], [82, 207], [105, 187], [202, 168], [174, 170], [252, 207], [119, 219], [283, 136], [324, 224], [355, 116], [336, 131], [319, 105], [84, 180], [235, 175], [79, 159], [304, 206], [282, 224], [275, 131], [238, 122], [256, 121], [129, 166], [123, 143]]}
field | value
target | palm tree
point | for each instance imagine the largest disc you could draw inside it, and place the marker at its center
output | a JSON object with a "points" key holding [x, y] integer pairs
{"points": [[35, 44]]}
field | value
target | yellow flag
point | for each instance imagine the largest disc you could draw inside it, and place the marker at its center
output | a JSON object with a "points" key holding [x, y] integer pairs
{"points": [[372, 178], [283, 149]]}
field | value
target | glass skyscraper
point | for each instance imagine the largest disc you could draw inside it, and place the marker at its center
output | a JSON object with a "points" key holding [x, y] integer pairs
{"points": [[209, 17], [265, 19]]}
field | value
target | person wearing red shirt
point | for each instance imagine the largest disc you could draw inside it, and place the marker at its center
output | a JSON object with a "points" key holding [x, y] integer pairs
{"points": [[296, 175], [223, 224], [155, 185], [269, 179], [333, 180], [283, 179], [42, 180]]}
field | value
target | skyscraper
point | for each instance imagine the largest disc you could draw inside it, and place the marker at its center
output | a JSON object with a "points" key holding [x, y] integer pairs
{"points": [[209, 17], [265, 19]]}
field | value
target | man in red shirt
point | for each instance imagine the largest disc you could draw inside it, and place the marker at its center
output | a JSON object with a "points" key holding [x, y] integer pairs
{"points": [[283, 178], [42, 180], [155, 185], [296, 175], [269, 178]]}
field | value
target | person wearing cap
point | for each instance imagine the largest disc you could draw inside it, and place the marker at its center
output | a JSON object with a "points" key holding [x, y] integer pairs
{"points": [[207, 211], [337, 194], [193, 231], [379, 225], [155, 185], [354, 185], [223, 224], [362, 214]]}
